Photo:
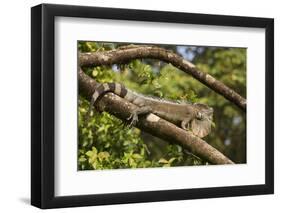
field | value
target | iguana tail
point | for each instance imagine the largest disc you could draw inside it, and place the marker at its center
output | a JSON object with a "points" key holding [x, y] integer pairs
{"points": [[115, 88]]}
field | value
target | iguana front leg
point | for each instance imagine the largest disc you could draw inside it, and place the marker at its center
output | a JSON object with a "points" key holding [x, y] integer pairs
{"points": [[185, 123], [142, 110]]}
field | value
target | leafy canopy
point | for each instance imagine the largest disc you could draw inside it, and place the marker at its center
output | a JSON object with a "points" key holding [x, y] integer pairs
{"points": [[105, 142]]}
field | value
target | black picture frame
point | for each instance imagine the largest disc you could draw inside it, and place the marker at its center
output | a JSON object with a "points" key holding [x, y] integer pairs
{"points": [[43, 117]]}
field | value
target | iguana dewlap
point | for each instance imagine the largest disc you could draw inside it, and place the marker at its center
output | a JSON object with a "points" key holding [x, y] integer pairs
{"points": [[195, 117]]}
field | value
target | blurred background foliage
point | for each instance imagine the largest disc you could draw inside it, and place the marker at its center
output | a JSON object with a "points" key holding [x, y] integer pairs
{"points": [[105, 142]]}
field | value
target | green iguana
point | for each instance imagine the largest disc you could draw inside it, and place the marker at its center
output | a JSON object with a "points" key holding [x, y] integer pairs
{"points": [[195, 117]]}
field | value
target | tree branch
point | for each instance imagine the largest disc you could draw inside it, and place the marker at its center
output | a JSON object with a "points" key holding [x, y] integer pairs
{"points": [[128, 53], [152, 123]]}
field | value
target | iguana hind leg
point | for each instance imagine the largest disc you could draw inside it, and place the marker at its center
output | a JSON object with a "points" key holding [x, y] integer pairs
{"points": [[134, 117]]}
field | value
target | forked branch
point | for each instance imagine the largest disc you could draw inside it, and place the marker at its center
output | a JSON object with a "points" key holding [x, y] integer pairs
{"points": [[152, 123], [125, 54]]}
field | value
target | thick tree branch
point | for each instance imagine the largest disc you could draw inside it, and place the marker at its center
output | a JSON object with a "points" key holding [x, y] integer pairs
{"points": [[152, 123], [128, 53]]}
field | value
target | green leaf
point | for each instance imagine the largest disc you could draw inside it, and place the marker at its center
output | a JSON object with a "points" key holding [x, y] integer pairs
{"points": [[163, 160], [137, 156], [171, 160], [89, 153], [103, 156], [95, 73]]}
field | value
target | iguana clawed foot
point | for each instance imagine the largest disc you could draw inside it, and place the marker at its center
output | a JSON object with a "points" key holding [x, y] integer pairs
{"points": [[185, 124], [134, 117]]}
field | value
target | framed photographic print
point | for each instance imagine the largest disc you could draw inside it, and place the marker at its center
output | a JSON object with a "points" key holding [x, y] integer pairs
{"points": [[140, 106]]}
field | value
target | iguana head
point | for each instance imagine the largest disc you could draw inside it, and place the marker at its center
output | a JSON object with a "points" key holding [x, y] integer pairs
{"points": [[201, 125]]}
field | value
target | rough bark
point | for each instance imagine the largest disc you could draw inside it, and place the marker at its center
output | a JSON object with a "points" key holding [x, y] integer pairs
{"points": [[128, 53], [152, 123]]}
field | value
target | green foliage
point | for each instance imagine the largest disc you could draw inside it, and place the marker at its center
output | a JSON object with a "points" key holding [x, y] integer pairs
{"points": [[105, 142], [229, 66]]}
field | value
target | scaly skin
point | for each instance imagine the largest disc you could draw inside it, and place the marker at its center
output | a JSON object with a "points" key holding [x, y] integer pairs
{"points": [[196, 117]]}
